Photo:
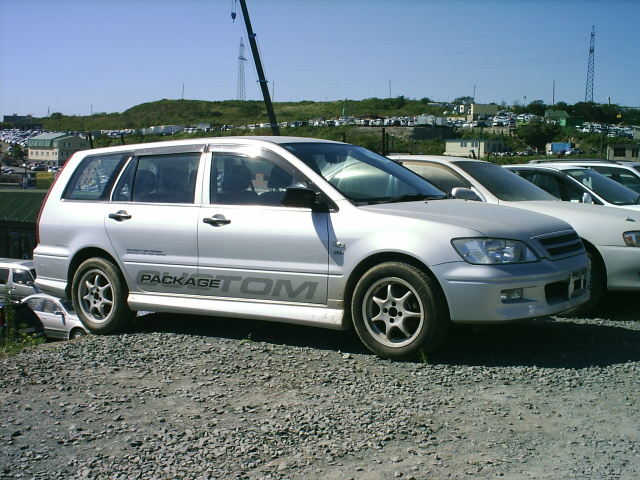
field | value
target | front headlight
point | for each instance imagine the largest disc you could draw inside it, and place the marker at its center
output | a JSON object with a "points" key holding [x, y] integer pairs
{"points": [[493, 251], [632, 239]]}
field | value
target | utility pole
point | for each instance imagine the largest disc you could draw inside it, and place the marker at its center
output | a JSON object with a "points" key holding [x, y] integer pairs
{"points": [[275, 129]]}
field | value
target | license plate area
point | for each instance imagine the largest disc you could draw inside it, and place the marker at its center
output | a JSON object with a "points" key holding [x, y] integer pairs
{"points": [[577, 283]]}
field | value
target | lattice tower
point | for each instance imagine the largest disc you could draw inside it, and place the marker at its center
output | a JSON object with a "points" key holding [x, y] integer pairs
{"points": [[588, 96], [241, 61]]}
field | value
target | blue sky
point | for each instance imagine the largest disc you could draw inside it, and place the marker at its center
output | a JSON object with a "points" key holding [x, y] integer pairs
{"points": [[80, 57]]}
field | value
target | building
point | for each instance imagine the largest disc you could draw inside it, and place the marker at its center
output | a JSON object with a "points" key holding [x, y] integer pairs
{"points": [[53, 149], [477, 110], [23, 122], [562, 118], [474, 148], [18, 216], [624, 151]]}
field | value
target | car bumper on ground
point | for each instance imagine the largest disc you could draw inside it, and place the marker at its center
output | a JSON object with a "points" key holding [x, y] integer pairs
{"points": [[493, 293]]}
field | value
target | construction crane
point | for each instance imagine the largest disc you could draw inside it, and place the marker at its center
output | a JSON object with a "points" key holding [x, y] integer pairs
{"points": [[275, 129]]}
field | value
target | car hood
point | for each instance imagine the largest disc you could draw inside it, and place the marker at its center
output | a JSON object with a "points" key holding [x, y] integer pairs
{"points": [[487, 219], [596, 223]]}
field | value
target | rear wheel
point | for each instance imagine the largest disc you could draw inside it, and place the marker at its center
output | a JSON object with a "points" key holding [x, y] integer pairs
{"points": [[76, 333], [100, 296], [398, 311]]}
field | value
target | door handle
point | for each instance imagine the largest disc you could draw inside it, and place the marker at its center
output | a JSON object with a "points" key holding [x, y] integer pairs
{"points": [[217, 220], [120, 215]]}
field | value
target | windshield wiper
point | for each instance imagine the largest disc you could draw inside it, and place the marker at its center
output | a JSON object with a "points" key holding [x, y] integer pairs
{"points": [[408, 197]]}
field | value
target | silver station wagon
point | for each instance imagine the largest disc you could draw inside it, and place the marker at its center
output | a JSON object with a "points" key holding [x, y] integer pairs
{"points": [[295, 230]]}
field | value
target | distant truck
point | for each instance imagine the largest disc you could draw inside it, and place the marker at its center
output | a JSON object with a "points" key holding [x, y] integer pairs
{"points": [[558, 148], [427, 120]]}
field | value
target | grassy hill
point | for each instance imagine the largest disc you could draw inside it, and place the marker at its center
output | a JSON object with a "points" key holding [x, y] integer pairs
{"points": [[232, 112]]}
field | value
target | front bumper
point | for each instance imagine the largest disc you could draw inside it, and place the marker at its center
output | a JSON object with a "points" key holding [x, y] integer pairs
{"points": [[475, 293]]}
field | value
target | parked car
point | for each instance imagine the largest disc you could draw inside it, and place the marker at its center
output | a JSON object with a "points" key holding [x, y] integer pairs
{"points": [[610, 235], [624, 172], [25, 321], [570, 183], [17, 278], [294, 230], [57, 316]]}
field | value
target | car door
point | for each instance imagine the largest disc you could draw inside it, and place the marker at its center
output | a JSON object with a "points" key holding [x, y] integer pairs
{"points": [[152, 220], [250, 245], [52, 317]]}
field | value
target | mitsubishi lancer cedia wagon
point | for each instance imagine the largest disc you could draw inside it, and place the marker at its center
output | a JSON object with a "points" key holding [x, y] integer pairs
{"points": [[295, 230]]}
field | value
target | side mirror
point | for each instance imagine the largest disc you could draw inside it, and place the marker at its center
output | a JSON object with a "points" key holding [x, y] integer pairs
{"points": [[586, 198], [462, 193], [301, 198]]}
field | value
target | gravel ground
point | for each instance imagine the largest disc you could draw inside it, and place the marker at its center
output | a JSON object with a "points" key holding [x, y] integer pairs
{"points": [[214, 398]]}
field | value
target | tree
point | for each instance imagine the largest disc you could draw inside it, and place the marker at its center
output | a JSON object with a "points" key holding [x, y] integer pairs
{"points": [[537, 107], [463, 101], [16, 152], [538, 134]]}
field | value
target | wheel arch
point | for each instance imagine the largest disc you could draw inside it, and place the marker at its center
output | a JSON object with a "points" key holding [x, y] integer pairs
{"points": [[593, 250], [377, 259], [81, 256]]}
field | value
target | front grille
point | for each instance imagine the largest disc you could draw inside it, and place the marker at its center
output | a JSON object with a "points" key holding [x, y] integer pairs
{"points": [[560, 244]]}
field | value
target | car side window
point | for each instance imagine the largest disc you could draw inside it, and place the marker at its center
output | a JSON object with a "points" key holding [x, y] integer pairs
{"points": [[440, 175], [94, 177], [50, 307], [554, 185], [167, 178], [4, 276], [238, 179], [22, 277], [35, 304]]}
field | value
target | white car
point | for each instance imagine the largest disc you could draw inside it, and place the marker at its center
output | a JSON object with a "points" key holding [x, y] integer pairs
{"points": [[610, 235], [296, 230], [624, 172], [58, 317], [571, 183]]}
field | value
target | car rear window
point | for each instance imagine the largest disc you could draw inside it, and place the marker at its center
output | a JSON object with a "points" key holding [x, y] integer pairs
{"points": [[94, 177]]}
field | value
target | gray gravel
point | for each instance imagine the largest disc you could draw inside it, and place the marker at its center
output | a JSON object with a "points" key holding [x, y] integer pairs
{"points": [[219, 398]]}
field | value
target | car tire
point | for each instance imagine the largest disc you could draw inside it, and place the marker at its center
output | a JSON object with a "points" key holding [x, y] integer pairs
{"points": [[76, 333], [100, 296], [399, 312]]}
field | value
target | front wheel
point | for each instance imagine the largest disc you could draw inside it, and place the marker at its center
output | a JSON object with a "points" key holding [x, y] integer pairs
{"points": [[398, 311], [100, 296]]}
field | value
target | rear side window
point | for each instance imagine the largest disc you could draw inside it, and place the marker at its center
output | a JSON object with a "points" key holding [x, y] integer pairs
{"points": [[23, 277], [4, 276], [94, 177], [167, 178]]}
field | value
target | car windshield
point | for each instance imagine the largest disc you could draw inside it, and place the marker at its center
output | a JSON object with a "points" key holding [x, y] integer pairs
{"points": [[362, 176], [502, 183], [610, 190]]}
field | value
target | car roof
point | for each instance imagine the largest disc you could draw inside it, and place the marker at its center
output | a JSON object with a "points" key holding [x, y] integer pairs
{"points": [[255, 140], [17, 262], [41, 295], [435, 158]]}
